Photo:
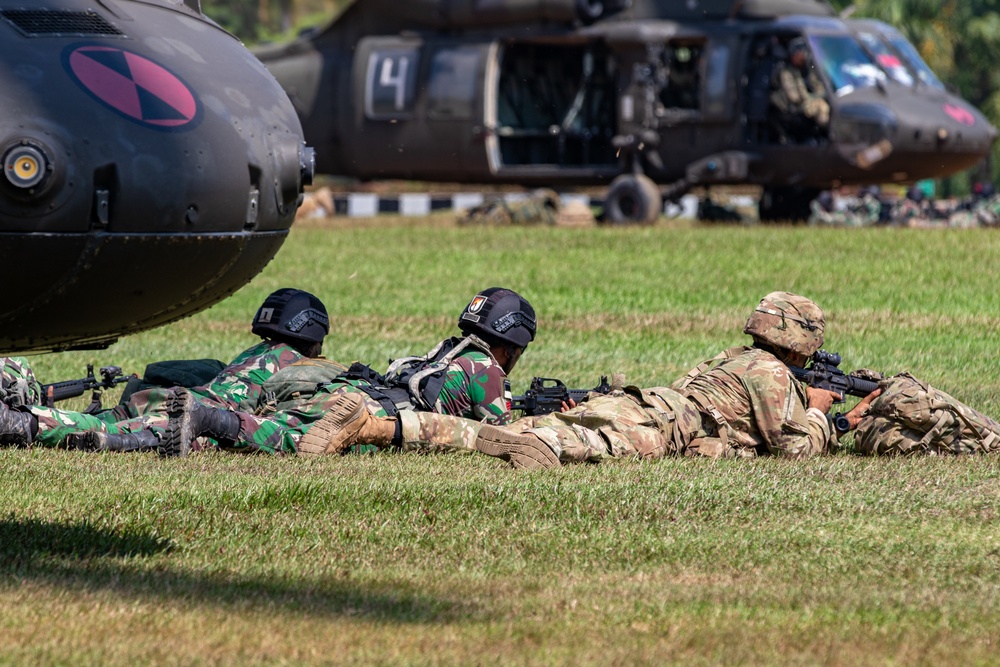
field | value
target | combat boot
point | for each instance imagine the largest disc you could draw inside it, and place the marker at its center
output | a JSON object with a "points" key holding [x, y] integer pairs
{"points": [[346, 424], [190, 419], [16, 427], [98, 441], [521, 450]]}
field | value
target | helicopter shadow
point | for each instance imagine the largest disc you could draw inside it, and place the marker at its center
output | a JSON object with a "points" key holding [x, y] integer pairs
{"points": [[81, 556]]}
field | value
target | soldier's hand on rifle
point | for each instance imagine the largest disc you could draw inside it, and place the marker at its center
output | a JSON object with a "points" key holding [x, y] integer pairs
{"points": [[861, 409], [821, 399], [567, 405]]}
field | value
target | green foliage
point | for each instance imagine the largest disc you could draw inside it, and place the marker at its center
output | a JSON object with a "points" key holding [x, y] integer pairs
{"points": [[399, 559]]}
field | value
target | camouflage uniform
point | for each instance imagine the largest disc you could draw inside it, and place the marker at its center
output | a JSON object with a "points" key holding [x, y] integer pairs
{"points": [[752, 405], [540, 208], [18, 385], [238, 386], [980, 212], [861, 212], [801, 94], [910, 213], [475, 387]]}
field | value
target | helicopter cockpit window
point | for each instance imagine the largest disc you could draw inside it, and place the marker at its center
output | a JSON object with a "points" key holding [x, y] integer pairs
{"points": [[717, 80], [451, 90], [886, 58], [390, 83], [845, 62], [913, 59]]}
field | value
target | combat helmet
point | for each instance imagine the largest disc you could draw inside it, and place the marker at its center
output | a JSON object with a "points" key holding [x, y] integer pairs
{"points": [[292, 314], [789, 322], [498, 314]]}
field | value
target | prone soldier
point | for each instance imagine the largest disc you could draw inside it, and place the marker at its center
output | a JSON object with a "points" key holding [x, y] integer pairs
{"points": [[292, 324]]}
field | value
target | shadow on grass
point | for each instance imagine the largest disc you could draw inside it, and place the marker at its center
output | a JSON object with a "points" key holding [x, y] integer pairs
{"points": [[86, 557]]}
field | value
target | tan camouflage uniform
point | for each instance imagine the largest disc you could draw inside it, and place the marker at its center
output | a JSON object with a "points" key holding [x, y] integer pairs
{"points": [[645, 423], [754, 406], [801, 94]]}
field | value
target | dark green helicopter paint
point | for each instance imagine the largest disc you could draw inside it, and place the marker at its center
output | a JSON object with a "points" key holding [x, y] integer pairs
{"points": [[151, 167], [651, 96]]}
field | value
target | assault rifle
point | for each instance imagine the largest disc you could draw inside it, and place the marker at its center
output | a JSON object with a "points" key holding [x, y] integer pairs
{"points": [[547, 395], [58, 391], [823, 373]]}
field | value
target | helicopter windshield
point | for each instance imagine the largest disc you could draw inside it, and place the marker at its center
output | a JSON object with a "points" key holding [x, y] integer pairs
{"points": [[912, 58], [846, 63], [887, 59]]}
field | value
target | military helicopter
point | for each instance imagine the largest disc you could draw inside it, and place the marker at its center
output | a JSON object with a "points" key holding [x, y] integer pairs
{"points": [[151, 167], [652, 97]]}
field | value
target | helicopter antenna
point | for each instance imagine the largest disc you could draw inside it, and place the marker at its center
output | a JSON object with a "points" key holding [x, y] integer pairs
{"points": [[848, 11]]}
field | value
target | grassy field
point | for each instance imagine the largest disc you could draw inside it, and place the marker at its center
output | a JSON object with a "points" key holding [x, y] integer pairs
{"points": [[456, 560]]}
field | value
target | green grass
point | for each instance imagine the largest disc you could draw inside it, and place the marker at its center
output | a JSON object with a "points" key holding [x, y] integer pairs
{"points": [[219, 559]]}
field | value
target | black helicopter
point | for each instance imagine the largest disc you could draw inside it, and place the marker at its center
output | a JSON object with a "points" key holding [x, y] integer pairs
{"points": [[151, 167], [653, 97]]}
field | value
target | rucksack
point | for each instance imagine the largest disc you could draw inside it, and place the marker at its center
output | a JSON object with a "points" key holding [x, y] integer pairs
{"points": [[298, 382], [910, 417], [174, 373]]}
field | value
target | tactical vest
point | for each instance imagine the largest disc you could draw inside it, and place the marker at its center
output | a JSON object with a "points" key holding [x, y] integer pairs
{"points": [[414, 383]]}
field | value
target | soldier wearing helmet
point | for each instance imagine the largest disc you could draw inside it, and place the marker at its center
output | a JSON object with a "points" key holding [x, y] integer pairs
{"points": [[749, 400], [799, 95], [292, 324], [463, 376]]}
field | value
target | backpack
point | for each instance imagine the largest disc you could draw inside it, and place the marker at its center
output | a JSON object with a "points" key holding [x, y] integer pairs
{"points": [[298, 382], [175, 373], [910, 417]]}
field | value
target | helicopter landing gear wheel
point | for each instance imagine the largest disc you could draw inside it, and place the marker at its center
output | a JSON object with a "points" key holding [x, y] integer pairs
{"points": [[633, 199]]}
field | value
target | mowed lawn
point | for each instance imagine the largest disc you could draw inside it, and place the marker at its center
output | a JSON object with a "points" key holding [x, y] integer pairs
{"points": [[457, 560]]}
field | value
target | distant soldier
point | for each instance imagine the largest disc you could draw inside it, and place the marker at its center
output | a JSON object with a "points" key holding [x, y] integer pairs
{"points": [[541, 207], [913, 210], [292, 324], [860, 211], [982, 209], [799, 93]]}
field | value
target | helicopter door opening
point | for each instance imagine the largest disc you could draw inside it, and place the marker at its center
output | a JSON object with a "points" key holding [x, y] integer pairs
{"points": [[786, 102], [555, 106]]}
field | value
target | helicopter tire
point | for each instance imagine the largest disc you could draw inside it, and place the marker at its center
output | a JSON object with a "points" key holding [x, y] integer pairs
{"points": [[633, 198], [786, 204], [589, 10]]}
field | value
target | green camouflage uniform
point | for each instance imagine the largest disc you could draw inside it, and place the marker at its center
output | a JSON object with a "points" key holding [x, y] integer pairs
{"points": [[475, 387], [861, 212], [910, 213], [238, 386], [18, 385], [981, 212]]}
